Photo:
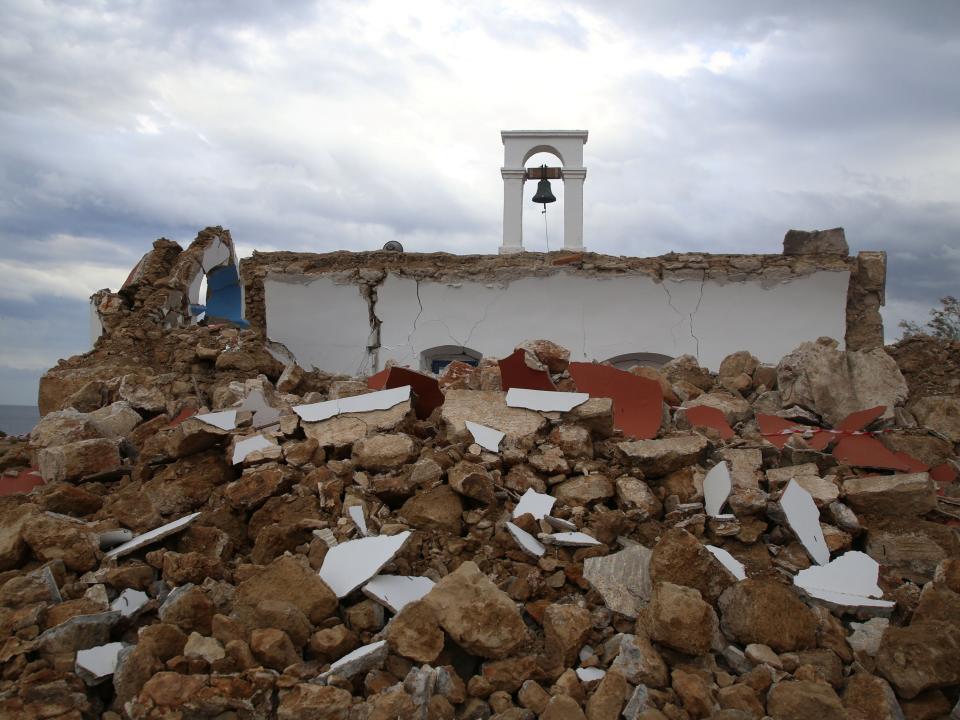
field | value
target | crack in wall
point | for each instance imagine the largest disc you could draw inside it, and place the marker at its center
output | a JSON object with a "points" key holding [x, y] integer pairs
{"points": [[703, 282], [673, 336]]}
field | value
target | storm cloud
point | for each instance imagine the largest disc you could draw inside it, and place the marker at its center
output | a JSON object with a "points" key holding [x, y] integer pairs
{"points": [[320, 126]]}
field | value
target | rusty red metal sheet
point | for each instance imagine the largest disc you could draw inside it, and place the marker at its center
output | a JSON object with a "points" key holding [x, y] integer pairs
{"points": [[773, 429], [820, 439], [515, 373], [637, 401], [859, 420], [913, 465], [866, 451], [426, 389], [23, 482], [944, 473], [703, 416]]}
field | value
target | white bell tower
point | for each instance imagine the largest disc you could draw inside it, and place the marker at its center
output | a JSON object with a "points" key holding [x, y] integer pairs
{"points": [[518, 147]]}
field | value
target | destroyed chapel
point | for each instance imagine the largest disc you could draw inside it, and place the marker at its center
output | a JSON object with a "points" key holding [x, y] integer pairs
{"points": [[565, 485]]}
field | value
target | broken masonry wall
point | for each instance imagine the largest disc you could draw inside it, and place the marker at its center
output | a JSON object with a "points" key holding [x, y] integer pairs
{"points": [[354, 312]]}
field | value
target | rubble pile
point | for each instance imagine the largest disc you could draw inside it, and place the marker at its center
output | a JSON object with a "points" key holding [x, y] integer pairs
{"points": [[528, 538]]}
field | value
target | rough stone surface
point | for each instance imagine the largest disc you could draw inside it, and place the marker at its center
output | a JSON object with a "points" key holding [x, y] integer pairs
{"points": [[681, 559], [659, 457], [901, 494], [940, 413], [288, 579], [920, 657], [79, 459], [801, 700], [680, 619], [764, 611], [815, 242], [415, 633]]}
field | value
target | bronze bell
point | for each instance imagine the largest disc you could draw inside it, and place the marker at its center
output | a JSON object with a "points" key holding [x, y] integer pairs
{"points": [[544, 193]]}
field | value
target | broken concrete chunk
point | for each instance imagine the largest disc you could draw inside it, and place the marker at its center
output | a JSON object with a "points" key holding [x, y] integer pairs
{"points": [[396, 591], [527, 542], [804, 519], [351, 564], [848, 581], [96, 664], [622, 579], [152, 536], [716, 488], [544, 400], [485, 437], [382, 400]]}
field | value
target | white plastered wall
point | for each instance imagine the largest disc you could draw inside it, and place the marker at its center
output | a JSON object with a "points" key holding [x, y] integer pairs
{"points": [[326, 325]]}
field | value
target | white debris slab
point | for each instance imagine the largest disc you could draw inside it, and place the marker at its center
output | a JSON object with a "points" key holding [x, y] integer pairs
{"points": [[112, 538], [716, 488], [559, 523], [225, 419], [396, 591], [735, 567], [589, 674], [545, 400], [263, 414], [804, 519], [356, 514], [349, 565], [485, 437], [129, 602], [528, 543], [849, 581], [251, 445], [360, 660], [151, 536], [537, 504], [382, 400], [573, 539], [97, 663]]}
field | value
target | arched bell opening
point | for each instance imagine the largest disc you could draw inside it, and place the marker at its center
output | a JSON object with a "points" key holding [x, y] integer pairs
{"points": [[534, 230], [437, 358]]}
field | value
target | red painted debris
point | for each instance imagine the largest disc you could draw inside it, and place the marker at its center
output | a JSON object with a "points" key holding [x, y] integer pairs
{"points": [[820, 439], [23, 482], [703, 416], [867, 451], [637, 401], [515, 373], [772, 428], [913, 465], [859, 420], [182, 415], [944, 473], [426, 389]]}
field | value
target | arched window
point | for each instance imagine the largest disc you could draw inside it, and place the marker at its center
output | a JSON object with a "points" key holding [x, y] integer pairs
{"points": [[646, 359], [437, 358]]}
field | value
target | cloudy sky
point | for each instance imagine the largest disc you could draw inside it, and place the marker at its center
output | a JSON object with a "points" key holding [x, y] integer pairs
{"points": [[714, 126]]}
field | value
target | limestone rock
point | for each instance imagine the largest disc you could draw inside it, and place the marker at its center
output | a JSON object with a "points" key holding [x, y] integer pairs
{"points": [[868, 697], [734, 408], [288, 579], [920, 657], [383, 452], [415, 633], [437, 509], [305, 701], [815, 242], [680, 619], [489, 408], [62, 427], [584, 490], [116, 420], [477, 615], [608, 699], [900, 494], [909, 547], [333, 643], [565, 628], [764, 611], [694, 693], [554, 357], [635, 494], [471, 480], [273, 648], [13, 517], [638, 661], [622, 579], [940, 413], [801, 700], [75, 460], [52, 538], [562, 707], [659, 457], [681, 559], [834, 383]]}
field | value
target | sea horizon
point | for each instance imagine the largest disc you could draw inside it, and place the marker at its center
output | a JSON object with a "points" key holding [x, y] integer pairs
{"points": [[18, 419]]}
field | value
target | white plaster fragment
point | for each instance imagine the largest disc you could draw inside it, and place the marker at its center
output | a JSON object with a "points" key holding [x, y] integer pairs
{"points": [[263, 414], [151, 536], [242, 448], [585, 652], [573, 539], [129, 602], [716, 488], [735, 567], [527, 542], [225, 419], [381, 400], [396, 591], [545, 400], [356, 514], [804, 519], [360, 660], [98, 663], [850, 581], [485, 437], [112, 538], [559, 523], [537, 504], [349, 565], [215, 255], [590, 674]]}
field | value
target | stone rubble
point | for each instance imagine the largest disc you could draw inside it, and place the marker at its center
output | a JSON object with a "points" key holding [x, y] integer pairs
{"points": [[661, 608]]}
